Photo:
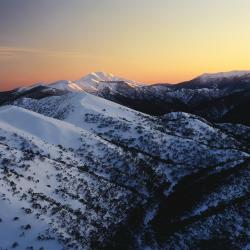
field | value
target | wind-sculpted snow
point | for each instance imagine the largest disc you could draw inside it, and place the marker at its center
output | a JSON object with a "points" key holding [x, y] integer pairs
{"points": [[88, 173]]}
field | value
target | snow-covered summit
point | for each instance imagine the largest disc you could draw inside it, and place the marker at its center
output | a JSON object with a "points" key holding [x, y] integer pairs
{"points": [[95, 82], [100, 77], [223, 75], [24, 89], [100, 80], [66, 85]]}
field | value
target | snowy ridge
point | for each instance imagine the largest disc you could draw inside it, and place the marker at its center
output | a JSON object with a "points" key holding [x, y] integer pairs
{"points": [[207, 77], [66, 85], [56, 174], [95, 82], [220, 97], [40, 127], [96, 78], [23, 89], [124, 154], [135, 130]]}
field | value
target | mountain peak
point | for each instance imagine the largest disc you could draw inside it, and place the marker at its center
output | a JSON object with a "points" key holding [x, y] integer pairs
{"points": [[102, 77], [223, 75], [66, 85], [101, 74], [99, 80]]}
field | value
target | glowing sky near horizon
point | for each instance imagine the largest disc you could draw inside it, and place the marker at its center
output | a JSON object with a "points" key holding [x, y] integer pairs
{"points": [[144, 40]]}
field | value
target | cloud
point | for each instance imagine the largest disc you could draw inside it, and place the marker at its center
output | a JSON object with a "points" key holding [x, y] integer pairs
{"points": [[13, 52], [16, 51]]}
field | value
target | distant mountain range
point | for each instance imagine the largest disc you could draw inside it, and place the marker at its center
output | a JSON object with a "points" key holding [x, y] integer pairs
{"points": [[221, 97]]}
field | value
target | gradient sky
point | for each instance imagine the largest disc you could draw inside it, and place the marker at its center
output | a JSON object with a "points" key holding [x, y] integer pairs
{"points": [[143, 40]]}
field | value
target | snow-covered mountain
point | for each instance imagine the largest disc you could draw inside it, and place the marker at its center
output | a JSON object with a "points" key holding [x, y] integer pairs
{"points": [[59, 183], [94, 82], [99, 80], [66, 86], [232, 79], [78, 171], [105, 118], [223, 75], [220, 97]]}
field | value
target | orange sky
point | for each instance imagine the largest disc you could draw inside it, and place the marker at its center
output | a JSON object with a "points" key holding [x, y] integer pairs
{"points": [[144, 40]]}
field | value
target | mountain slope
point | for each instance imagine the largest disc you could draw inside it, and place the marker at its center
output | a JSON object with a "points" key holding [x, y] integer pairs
{"points": [[78, 171], [95, 82], [82, 182], [66, 86], [233, 79], [35, 92], [221, 97], [108, 119], [124, 179]]}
